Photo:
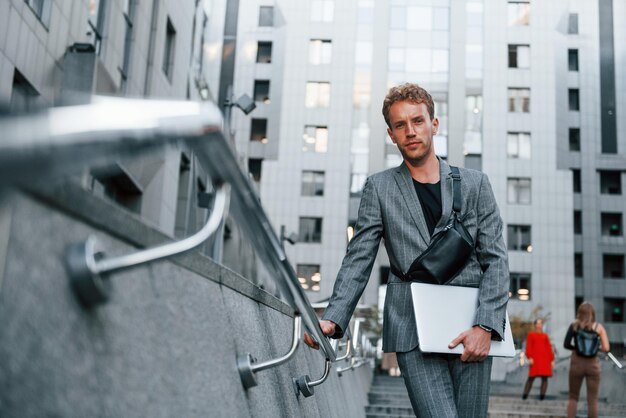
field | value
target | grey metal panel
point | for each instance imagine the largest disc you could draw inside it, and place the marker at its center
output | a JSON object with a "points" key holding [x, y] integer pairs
{"points": [[607, 78]]}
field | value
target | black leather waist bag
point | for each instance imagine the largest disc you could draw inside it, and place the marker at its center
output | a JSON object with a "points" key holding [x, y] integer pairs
{"points": [[448, 251]]}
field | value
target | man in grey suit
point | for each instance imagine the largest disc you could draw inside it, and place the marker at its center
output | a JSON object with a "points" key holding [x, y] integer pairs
{"points": [[406, 206]]}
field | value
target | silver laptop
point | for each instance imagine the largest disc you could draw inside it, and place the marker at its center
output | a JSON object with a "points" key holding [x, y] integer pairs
{"points": [[443, 312]]}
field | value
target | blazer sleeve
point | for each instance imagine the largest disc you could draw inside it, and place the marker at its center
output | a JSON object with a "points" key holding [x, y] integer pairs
{"points": [[357, 264], [492, 257]]}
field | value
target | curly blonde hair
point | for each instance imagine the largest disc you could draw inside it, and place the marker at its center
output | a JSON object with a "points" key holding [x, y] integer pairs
{"points": [[410, 92]]}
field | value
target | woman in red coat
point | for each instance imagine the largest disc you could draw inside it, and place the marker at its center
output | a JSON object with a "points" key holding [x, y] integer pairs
{"points": [[540, 358]]}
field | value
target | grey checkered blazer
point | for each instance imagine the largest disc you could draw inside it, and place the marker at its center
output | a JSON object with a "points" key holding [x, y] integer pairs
{"points": [[391, 210]]}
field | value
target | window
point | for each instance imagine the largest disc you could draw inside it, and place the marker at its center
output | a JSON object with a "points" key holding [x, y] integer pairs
{"points": [[96, 22], [189, 213], [613, 266], [315, 139], [266, 16], [264, 52], [520, 286], [115, 182], [254, 168], [519, 13], [519, 100], [309, 276], [518, 191], [518, 237], [419, 18], [576, 180], [574, 101], [574, 139], [320, 51], [258, 130], [611, 224], [578, 265], [614, 309], [572, 24], [262, 91], [310, 229], [572, 59], [312, 183], [317, 94], [322, 10], [610, 182], [37, 7], [168, 53], [519, 56], [578, 222], [518, 145], [129, 15], [24, 97]]}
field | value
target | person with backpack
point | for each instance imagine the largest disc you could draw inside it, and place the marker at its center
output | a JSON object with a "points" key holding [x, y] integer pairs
{"points": [[585, 337]]}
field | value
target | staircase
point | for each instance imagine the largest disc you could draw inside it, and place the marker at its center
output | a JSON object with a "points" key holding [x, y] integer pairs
{"points": [[388, 398]]}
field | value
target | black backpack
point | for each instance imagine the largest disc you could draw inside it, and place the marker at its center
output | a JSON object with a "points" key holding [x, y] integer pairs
{"points": [[586, 342]]}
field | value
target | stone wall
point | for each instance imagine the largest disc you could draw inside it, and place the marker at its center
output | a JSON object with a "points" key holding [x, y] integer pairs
{"points": [[164, 345]]}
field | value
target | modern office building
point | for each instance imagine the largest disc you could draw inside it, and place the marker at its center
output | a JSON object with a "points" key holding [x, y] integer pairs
{"points": [[526, 91], [55, 52], [529, 92]]}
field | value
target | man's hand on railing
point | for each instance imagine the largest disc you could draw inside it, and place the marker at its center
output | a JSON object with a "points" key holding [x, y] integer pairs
{"points": [[328, 328]]}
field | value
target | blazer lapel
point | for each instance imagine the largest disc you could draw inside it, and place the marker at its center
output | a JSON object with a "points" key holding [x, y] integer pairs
{"points": [[445, 176], [405, 184]]}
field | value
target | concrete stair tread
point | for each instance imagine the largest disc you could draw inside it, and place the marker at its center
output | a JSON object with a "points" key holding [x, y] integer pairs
{"points": [[388, 398]]}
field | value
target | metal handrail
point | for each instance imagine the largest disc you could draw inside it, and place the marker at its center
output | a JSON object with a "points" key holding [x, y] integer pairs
{"points": [[86, 267], [79, 137]]}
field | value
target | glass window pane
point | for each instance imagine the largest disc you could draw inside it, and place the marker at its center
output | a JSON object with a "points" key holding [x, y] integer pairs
{"points": [[512, 146], [440, 60], [363, 52], [441, 18], [418, 60], [396, 59], [523, 56], [524, 146], [419, 18], [266, 16], [398, 18], [519, 13]]}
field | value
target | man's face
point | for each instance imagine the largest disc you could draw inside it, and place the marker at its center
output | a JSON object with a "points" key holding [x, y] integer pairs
{"points": [[412, 130]]}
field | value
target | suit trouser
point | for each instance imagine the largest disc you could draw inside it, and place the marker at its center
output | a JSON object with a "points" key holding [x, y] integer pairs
{"points": [[442, 386]]}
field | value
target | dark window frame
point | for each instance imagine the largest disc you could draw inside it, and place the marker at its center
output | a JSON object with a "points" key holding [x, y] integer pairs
{"points": [[264, 52], [515, 237], [574, 139], [314, 237]]}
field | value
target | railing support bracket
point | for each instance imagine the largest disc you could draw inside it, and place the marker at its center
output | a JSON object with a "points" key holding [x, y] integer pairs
{"points": [[304, 385], [246, 363], [88, 269]]}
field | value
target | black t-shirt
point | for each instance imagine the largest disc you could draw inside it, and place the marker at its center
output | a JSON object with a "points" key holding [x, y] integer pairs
{"points": [[429, 196]]}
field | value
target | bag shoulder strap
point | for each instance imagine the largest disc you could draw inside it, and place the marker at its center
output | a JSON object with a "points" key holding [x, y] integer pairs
{"points": [[456, 189]]}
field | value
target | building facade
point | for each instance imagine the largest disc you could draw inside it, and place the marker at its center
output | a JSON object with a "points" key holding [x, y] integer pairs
{"points": [[529, 92], [521, 91]]}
